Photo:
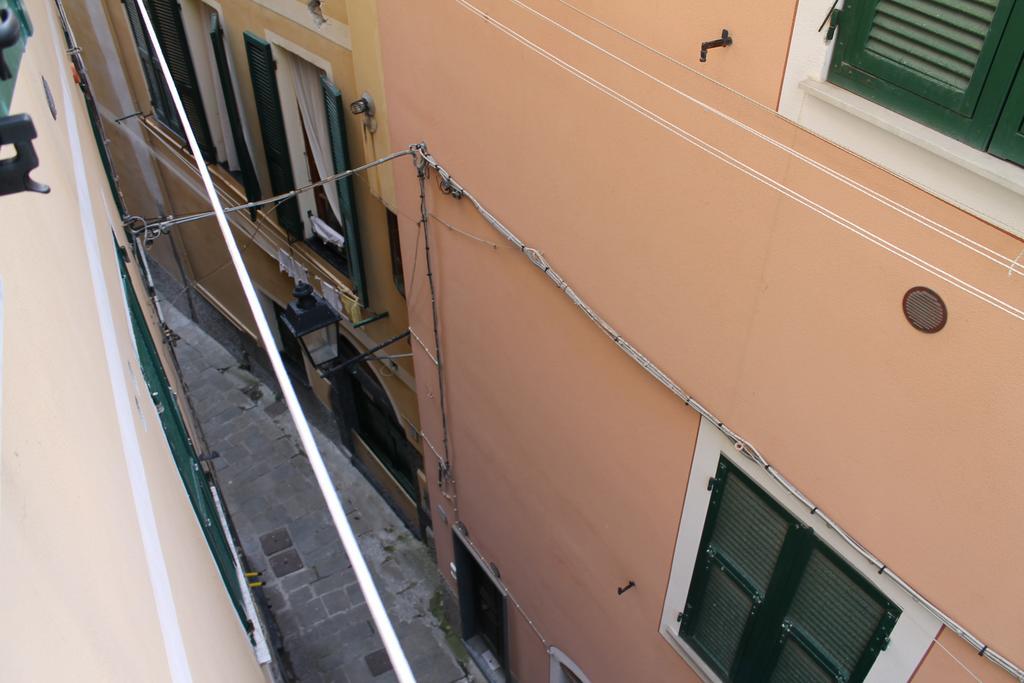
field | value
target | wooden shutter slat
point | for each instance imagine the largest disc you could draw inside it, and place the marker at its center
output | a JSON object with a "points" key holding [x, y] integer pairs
{"points": [[749, 532], [796, 665], [166, 17], [275, 141], [921, 58], [249, 178], [720, 624], [838, 615], [334, 107], [925, 39], [976, 16], [964, 45]]}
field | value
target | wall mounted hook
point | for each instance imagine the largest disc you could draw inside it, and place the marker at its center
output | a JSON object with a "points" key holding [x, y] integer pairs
{"points": [[623, 589], [724, 41]]}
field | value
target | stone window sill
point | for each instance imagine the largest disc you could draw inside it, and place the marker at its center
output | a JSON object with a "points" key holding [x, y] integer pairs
{"points": [[977, 182]]}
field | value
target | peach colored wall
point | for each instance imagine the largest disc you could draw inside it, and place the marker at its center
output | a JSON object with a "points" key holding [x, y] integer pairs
{"points": [[570, 462]]}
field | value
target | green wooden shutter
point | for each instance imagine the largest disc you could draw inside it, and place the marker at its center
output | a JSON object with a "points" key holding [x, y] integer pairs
{"points": [[166, 17], [159, 98], [13, 53], [249, 179], [1008, 140], [769, 601], [275, 141], [836, 623], [335, 107], [182, 449], [941, 62], [742, 542]]}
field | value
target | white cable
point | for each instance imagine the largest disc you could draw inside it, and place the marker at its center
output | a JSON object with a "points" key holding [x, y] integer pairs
{"points": [[753, 173], [316, 461], [981, 249]]}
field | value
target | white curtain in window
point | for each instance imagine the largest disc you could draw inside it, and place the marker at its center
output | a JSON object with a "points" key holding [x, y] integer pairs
{"points": [[309, 93]]}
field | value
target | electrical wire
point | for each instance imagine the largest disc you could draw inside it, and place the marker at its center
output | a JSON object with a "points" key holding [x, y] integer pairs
{"points": [[334, 505], [743, 446], [1011, 264], [421, 175], [277, 199], [471, 236], [744, 168], [191, 286]]}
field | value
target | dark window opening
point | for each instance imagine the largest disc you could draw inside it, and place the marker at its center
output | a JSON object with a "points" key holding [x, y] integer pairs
{"points": [[332, 253], [291, 350], [397, 271], [482, 612], [363, 406]]}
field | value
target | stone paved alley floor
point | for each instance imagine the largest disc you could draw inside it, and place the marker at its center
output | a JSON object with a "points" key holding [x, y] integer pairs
{"points": [[285, 529]]}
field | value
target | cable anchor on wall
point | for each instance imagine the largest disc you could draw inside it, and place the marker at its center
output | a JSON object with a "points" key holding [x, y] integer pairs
{"points": [[724, 41]]}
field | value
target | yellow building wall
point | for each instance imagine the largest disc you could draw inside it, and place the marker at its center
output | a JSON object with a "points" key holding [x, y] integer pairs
{"points": [[86, 476], [157, 179]]}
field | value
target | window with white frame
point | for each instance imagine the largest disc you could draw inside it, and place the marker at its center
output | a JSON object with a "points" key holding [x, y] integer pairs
{"points": [[563, 669], [929, 90], [762, 591], [951, 66]]}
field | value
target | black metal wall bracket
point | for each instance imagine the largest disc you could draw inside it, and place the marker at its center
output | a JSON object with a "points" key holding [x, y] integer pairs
{"points": [[18, 130], [623, 589], [724, 41]]}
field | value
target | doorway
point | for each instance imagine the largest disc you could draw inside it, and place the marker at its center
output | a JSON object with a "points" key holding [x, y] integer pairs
{"points": [[291, 350], [482, 610]]}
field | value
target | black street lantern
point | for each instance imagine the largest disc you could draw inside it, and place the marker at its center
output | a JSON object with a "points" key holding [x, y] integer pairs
{"points": [[314, 324]]}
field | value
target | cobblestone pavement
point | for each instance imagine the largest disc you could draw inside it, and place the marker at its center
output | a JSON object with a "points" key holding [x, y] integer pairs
{"points": [[285, 529]]}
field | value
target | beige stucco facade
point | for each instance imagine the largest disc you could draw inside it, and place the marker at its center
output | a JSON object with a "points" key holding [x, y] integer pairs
{"points": [[775, 301], [107, 573]]}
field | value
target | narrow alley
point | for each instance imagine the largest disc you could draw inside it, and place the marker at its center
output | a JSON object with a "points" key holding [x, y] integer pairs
{"points": [[283, 524]]}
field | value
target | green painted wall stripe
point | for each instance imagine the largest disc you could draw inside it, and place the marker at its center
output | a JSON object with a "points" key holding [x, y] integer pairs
{"points": [[182, 449]]}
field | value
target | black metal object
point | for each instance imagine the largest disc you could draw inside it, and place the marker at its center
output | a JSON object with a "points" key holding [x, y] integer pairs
{"points": [[128, 116], [18, 130], [368, 355], [623, 589], [724, 41], [308, 315]]}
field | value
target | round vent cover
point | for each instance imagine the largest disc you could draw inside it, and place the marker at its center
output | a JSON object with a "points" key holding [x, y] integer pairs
{"points": [[924, 309]]}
